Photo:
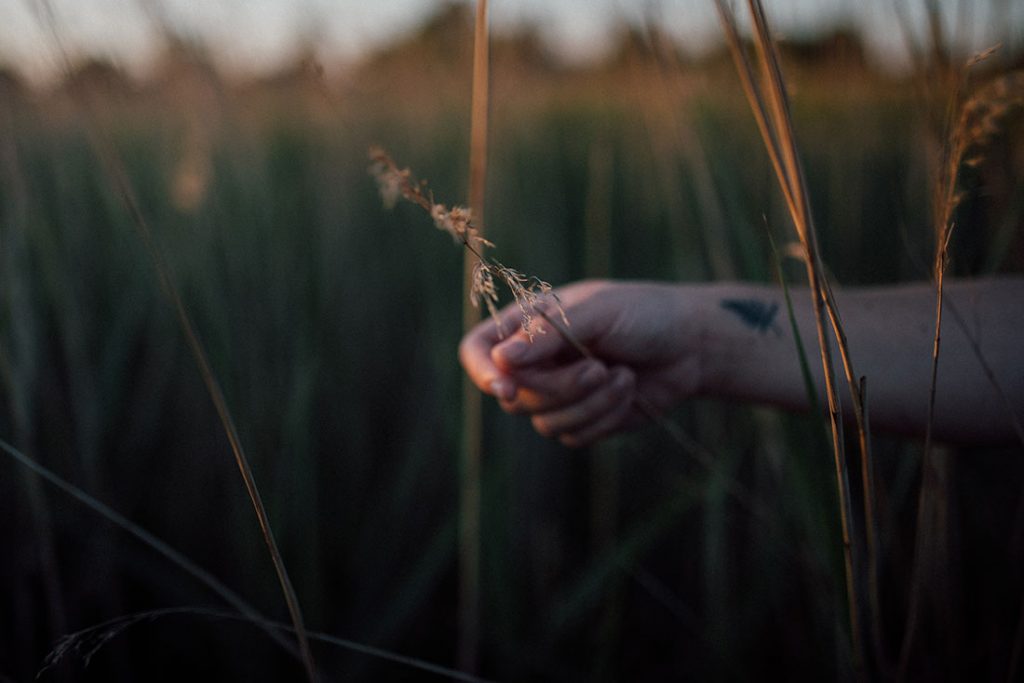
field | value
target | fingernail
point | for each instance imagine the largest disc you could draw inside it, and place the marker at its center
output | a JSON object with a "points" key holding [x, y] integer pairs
{"points": [[503, 388], [512, 350], [593, 376]]}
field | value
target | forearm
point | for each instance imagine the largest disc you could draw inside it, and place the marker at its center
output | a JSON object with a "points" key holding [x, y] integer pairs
{"points": [[749, 353]]}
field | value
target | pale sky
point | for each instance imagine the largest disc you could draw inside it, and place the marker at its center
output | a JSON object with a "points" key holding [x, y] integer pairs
{"points": [[251, 35]]}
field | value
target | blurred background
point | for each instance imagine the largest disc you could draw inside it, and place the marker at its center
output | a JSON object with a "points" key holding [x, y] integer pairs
{"points": [[621, 146]]}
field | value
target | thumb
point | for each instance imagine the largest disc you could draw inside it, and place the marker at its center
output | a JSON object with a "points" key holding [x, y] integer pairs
{"points": [[548, 338]]}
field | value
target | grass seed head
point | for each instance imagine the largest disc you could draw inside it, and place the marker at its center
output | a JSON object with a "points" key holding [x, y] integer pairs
{"points": [[531, 293], [390, 179]]}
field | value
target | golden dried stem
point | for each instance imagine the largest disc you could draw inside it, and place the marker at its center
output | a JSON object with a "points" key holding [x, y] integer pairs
{"points": [[468, 646], [771, 112]]}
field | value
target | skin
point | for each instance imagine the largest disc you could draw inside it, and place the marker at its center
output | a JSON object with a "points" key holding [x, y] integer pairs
{"points": [[733, 341]]}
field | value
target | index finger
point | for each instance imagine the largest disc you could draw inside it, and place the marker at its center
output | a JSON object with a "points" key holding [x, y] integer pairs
{"points": [[475, 356]]}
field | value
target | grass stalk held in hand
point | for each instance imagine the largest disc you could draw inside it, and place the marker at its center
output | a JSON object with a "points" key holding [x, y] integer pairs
{"points": [[529, 293], [533, 296]]}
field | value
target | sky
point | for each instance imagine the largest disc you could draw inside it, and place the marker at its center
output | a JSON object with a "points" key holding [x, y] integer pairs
{"points": [[255, 35]]}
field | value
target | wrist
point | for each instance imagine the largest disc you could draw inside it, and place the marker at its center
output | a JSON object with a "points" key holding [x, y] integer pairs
{"points": [[744, 343], [712, 370]]}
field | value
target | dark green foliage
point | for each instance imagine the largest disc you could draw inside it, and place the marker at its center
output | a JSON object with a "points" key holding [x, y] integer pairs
{"points": [[332, 325]]}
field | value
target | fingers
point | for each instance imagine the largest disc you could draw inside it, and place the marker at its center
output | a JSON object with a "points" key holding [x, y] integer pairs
{"points": [[599, 413], [573, 398], [475, 356], [495, 361], [553, 337], [577, 402], [519, 351], [551, 387]]}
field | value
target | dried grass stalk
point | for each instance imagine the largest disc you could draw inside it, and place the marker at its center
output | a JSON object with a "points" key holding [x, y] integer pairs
{"points": [[771, 112], [533, 295], [123, 188], [536, 300], [972, 119], [478, 283]]}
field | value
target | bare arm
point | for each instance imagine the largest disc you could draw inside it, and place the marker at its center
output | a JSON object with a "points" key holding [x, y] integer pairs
{"points": [[890, 331], [734, 341]]}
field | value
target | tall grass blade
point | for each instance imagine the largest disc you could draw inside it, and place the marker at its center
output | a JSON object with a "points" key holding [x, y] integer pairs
{"points": [[771, 111], [700, 453], [18, 381], [805, 369], [117, 175], [468, 645], [243, 610], [956, 138], [160, 546], [87, 641], [605, 483]]}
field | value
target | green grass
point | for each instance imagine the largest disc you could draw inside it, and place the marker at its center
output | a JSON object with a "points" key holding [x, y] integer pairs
{"points": [[332, 326]]}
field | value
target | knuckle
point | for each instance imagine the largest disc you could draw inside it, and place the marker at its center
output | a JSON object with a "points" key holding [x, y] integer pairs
{"points": [[590, 375]]}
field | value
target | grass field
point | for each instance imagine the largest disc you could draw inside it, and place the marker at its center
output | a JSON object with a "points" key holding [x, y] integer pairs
{"points": [[332, 326]]}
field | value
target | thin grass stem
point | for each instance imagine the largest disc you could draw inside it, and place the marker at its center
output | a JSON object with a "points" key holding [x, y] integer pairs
{"points": [[116, 173], [15, 213], [90, 639], [531, 298], [647, 408], [468, 646], [147, 538], [243, 610], [955, 140], [772, 114]]}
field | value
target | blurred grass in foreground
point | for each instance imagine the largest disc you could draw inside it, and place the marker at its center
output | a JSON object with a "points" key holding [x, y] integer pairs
{"points": [[332, 326]]}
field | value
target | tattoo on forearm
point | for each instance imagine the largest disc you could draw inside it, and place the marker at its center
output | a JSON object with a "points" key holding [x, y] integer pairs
{"points": [[758, 315]]}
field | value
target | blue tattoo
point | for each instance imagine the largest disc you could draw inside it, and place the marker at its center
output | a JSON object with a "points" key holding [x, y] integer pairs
{"points": [[755, 314]]}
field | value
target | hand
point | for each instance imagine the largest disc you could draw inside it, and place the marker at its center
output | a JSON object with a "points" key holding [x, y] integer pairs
{"points": [[645, 341]]}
